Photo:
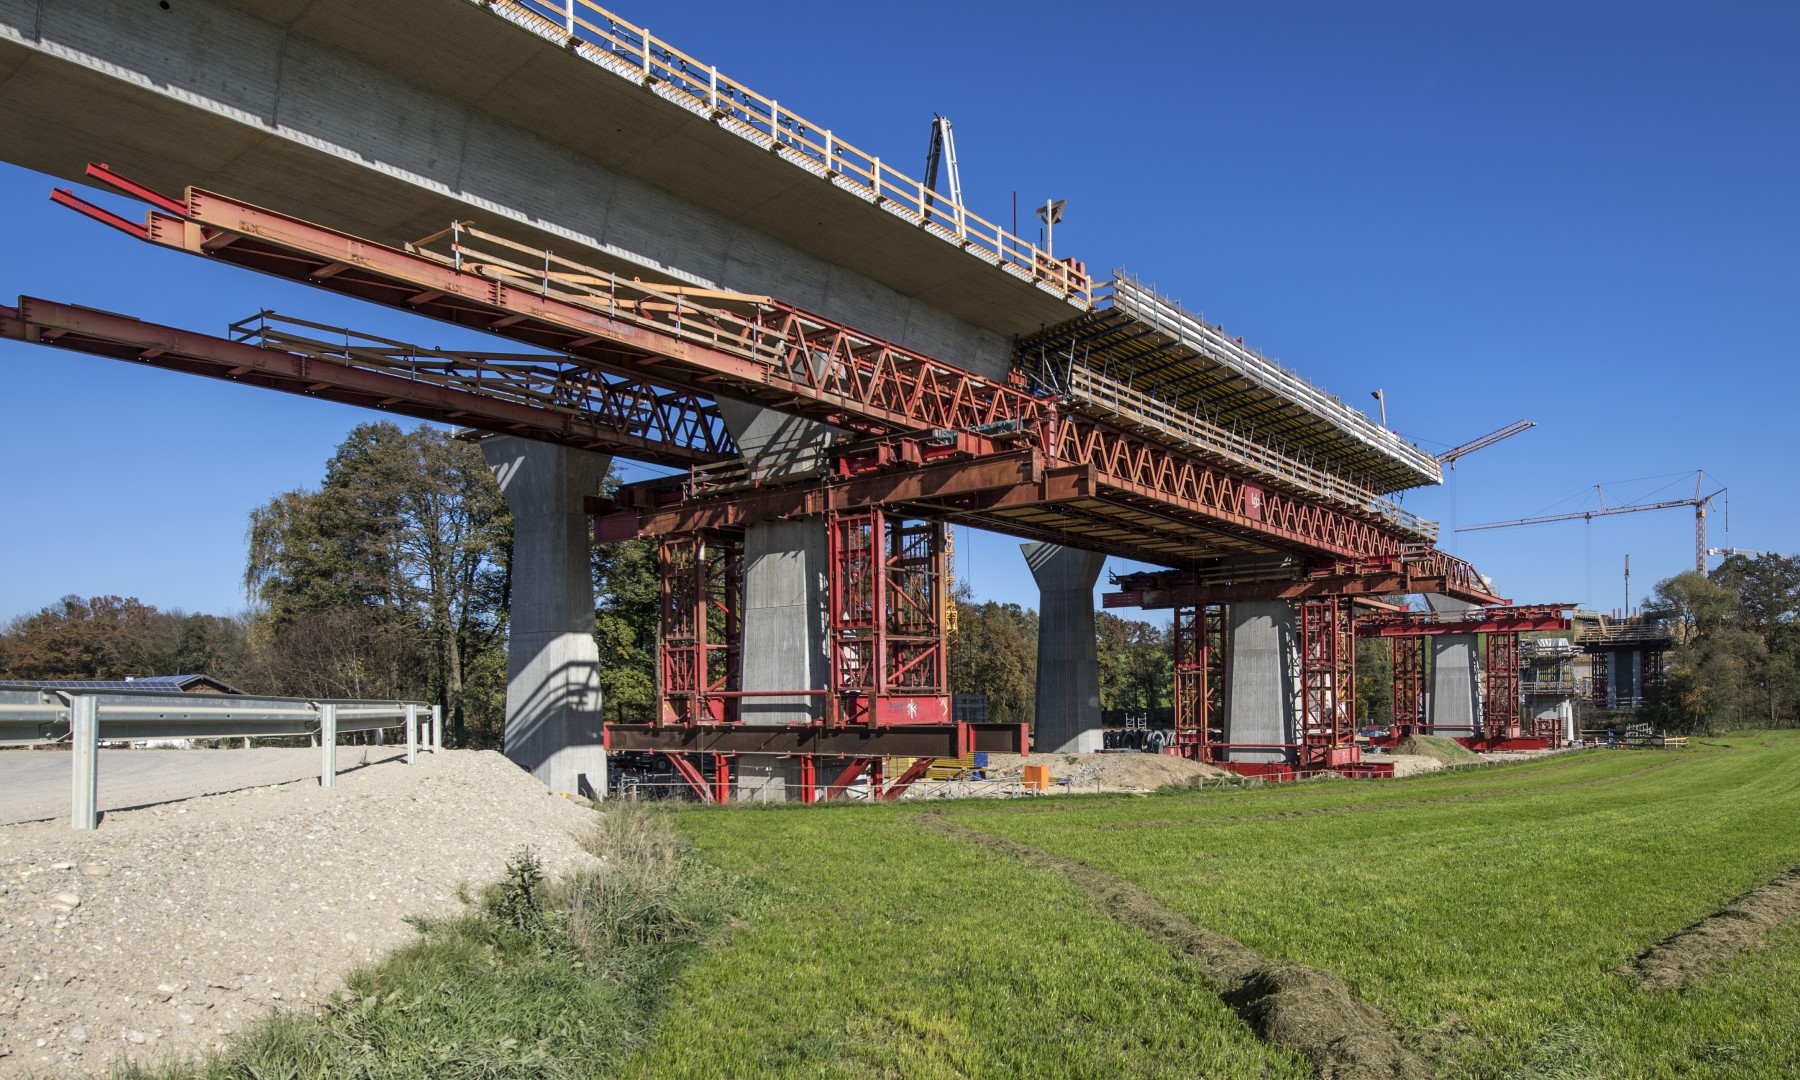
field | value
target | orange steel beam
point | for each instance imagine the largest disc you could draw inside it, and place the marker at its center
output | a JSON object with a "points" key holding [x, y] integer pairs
{"points": [[670, 429], [774, 355], [1427, 572], [1492, 620]]}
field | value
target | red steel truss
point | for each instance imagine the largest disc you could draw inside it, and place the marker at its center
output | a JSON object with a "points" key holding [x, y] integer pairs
{"points": [[1408, 685], [1502, 704], [1514, 619], [753, 349], [543, 397], [702, 629], [1327, 683], [889, 654], [1416, 569], [1201, 655]]}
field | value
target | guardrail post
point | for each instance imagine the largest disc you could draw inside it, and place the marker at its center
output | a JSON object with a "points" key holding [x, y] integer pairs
{"points": [[328, 745], [84, 737], [412, 734], [437, 728]]}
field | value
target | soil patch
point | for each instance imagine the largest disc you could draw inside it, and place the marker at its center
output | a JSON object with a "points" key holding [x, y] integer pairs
{"points": [[1303, 1008], [1438, 748], [1734, 928], [1105, 772]]}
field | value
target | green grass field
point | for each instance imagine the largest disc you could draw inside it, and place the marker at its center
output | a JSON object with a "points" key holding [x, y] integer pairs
{"points": [[1483, 912], [1480, 914]]}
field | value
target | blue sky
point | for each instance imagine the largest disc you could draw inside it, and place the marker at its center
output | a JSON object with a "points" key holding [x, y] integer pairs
{"points": [[1587, 215]]}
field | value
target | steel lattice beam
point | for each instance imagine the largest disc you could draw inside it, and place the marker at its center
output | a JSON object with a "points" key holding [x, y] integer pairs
{"points": [[614, 416], [751, 349]]}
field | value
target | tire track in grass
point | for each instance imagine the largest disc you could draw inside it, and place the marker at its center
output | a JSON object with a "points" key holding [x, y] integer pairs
{"points": [[1734, 928], [1302, 1008]]}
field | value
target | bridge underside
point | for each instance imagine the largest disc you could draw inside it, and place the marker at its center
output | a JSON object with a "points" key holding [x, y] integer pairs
{"points": [[923, 442]]}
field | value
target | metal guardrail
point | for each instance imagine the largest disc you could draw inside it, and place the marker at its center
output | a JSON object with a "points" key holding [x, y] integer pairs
{"points": [[632, 53], [32, 716]]}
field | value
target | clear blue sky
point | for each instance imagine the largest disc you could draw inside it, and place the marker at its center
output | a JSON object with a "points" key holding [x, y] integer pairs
{"points": [[1581, 214]]}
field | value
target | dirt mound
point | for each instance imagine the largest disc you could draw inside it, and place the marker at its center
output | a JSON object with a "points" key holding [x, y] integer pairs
{"points": [[1105, 772], [1306, 1009], [172, 927], [1737, 926], [1448, 751], [1311, 1011]]}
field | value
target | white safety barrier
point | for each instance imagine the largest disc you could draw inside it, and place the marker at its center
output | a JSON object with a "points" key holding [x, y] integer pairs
{"points": [[82, 718]]}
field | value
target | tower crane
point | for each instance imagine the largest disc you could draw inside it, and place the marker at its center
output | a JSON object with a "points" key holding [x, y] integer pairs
{"points": [[1699, 502], [1449, 456], [1745, 552]]}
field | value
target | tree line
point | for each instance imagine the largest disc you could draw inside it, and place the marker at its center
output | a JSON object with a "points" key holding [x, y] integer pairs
{"points": [[1736, 658]]}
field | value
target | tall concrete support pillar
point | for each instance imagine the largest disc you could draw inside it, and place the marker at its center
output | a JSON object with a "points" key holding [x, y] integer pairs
{"points": [[1455, 676], [1455, 685], [785, 583], [553, 720], [785, 598], [1262, 696], [1068, 666]]}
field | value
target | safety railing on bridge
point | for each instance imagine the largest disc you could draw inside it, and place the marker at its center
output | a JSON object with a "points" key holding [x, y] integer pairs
{"points": [[1098, 395], [632, 52], [82, 719]]}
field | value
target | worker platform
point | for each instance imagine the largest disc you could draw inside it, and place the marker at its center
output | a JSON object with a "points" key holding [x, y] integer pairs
{"points": [[1140, 360]]}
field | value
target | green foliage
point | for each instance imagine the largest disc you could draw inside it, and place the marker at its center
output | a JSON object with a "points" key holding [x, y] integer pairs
{"points": [[1374, 682], [1736, 660], [994, 652], [517, 903], [628, 590], [390, 580], [1137, 664], [111, 637]]}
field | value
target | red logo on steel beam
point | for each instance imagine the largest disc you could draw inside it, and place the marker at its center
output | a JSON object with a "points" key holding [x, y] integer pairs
{"points": [[1253, 502]]}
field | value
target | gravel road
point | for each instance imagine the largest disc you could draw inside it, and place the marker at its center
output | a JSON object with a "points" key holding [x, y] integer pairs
{"points": [[170, 927]]}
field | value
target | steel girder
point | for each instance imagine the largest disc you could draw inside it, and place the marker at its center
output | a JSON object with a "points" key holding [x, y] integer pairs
{"points": [[574, 405], [749, 348], [905, 740]]}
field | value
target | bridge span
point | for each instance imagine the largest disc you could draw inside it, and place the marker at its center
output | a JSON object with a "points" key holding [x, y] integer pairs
{"points": [[844, 358]]}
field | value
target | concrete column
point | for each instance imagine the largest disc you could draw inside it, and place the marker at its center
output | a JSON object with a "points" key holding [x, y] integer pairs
{"points": [[1262, 689], [1455, 682], [785, 598], [553, 720], [1068, 667], [786, 589], [1455, 688]]}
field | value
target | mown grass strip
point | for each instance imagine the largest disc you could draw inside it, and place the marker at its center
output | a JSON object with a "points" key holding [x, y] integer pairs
{"points": [[1734, 928], [1297, 1006]]}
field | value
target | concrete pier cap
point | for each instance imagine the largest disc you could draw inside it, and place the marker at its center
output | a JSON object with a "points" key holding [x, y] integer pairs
{"points": [[1068, 666], [553, 716]]}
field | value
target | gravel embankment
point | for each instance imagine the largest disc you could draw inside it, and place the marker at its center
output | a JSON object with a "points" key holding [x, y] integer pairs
{"points": [[169, 928]]}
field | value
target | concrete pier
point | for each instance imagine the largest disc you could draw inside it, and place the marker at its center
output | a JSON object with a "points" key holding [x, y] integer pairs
{"points": [[1455, 677], [1068, 667], [553, 720], [1263, 687]]}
